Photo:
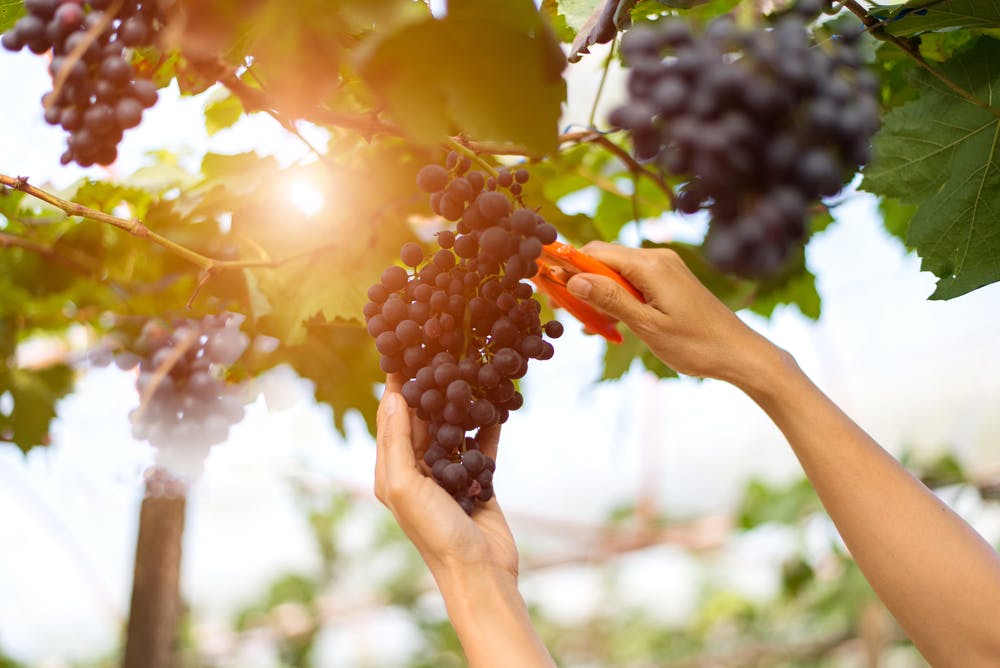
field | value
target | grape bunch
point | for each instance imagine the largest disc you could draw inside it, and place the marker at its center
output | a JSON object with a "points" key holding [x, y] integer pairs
{"points": [[760, 122], [101, 95], [187, 406], [461, 324]]}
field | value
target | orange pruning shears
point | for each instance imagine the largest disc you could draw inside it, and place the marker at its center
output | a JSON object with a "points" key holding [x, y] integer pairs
{"points": [[556, 265]]}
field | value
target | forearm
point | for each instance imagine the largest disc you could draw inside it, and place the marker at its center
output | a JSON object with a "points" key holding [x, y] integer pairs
{"points": [[491, 619], [938, 577]]}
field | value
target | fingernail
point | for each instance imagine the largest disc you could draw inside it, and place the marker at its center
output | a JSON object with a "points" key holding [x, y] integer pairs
{"points": [[580, 286]]}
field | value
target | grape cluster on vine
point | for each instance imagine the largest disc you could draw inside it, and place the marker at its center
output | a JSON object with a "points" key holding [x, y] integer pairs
{"points": [[460, 324], [760, 121], [186, 404], [100, 95]]}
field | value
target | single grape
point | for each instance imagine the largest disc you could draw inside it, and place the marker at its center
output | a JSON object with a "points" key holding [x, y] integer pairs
{"points": [[432, 178]]}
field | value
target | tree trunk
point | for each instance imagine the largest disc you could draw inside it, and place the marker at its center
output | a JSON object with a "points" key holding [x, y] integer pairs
{"points": [[154, 615]]}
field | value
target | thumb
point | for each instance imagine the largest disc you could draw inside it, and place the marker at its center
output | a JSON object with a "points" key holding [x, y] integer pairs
{"points": [[393, 438], [608, 296]]}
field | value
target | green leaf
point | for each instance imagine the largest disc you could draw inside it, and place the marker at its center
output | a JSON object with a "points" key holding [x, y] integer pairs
{"points": [[896, 216], [943, 470], [34, 395], [926, 15], [10, 202], [576, 12], [617, 209], [340, 358], [10, 12], [618, 358], [942, 46], [796, 575], [561, 24], [437, 77], [342, 249], [222, 112], [702, 10], [783, 504], [797, 288], [940, 151]]}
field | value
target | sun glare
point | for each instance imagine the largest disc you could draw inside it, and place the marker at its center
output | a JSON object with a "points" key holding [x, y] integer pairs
{"points": [[306, 198]]}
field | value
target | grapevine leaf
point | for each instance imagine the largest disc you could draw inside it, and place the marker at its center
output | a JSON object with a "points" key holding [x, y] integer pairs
{"points": [[682, 4], [10, 202], [340, 250], [161, 176], [896, 216], [787, 505], [797, 288], [616, 208], [222, 113], [920, 16], [618, 358], [701, 10], [577, 12], [437, 76], [820, 220], [942, 46], [601, 26], [939, 151], [34, 395], [560, 18], [341, 360], [10, 12]]}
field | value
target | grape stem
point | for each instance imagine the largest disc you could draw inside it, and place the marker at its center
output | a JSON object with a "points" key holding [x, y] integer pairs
{"points": [[457, 145], [74, 56], [876, 28], [161, 371]]}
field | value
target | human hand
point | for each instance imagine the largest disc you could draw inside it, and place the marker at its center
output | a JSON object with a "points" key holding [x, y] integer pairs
{"points": [[683, 323], [445, 536]]}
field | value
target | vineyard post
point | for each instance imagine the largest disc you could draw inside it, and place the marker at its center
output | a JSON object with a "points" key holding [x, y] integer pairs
{"points": [[155, 610]]}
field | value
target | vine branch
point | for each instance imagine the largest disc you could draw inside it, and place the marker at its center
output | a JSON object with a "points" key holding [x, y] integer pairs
{"points": [[136, 228], [46, 251], [877, 30], [369, 125]]}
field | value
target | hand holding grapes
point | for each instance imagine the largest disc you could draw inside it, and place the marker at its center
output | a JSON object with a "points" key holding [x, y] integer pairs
{"points": [[446, 537]]}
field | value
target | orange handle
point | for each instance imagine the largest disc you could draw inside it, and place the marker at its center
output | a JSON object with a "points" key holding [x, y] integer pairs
{"points": [[571, 260], [594, 322]]}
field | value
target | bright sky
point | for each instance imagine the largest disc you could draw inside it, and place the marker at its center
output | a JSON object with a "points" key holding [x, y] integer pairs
{"points": [[912, 372]]}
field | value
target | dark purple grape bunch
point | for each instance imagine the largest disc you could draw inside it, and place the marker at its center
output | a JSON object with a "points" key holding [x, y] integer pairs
{"points": [[186, 405], [760, 122], [461, 323], [100, 94]]}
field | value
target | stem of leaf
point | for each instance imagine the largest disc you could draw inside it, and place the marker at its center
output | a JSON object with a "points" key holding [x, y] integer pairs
{"points": [[604, 77]]}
